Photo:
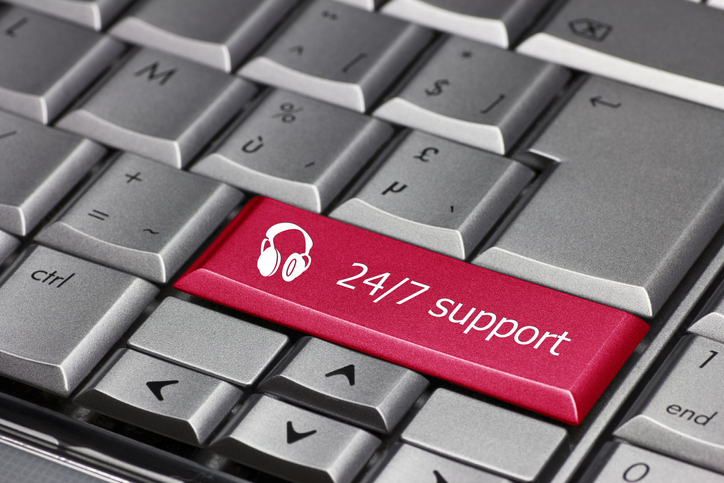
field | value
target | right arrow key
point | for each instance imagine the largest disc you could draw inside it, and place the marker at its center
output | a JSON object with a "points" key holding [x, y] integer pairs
{"points": [[341, 382]]}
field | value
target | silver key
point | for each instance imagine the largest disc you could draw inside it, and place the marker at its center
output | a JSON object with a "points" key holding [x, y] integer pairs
{"points": [[339, 54], [39, 167], [142, 217], [340, 382], [624, 216], [294, 443], [93, 14], [710, 323], [296, 150], [223, 347], [682, 412], [65, 59], [497, 22], [408, 463], [363, 4], [485, 436], [59, 315], [216, 33], [632, 42], [436, 194], [620, 463], [159, 396], [7, 245], [159, 106], [716, 3], [22, 463], [475, 94]]}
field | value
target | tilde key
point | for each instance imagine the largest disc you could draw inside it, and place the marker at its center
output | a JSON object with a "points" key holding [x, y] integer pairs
{"points": [[532, 346]]}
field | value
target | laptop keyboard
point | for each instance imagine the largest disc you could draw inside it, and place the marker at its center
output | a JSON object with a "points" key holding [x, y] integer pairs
{"points": [[491, 241]]}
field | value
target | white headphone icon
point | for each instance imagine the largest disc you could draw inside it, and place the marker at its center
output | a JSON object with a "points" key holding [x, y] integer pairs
{"points": [[269, 259]]}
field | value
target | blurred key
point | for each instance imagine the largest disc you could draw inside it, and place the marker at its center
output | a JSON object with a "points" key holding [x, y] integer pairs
{"points": [[625, 463], [363, 4], [354, 387], [161, 107], [39, 166], [21, 463], [629, 208], [681, 414], [159, 396], [297, 150], [475, 94], [339, 54], [142, 217], [217, 33], [7, 245], [47, 63], [633, 42], [93, 14], [59, 315], [485, 436], [436, 194], [294, 443], [224, 347], [408, 463], [497, 22], [710, 323], [716, 3]]}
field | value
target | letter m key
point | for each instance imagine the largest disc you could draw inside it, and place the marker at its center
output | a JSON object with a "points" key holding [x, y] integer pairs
{"points": [[152, 74]]}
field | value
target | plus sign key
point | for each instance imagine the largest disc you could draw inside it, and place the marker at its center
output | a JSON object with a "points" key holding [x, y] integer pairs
{"points": [[541, 349], [142, 217]]}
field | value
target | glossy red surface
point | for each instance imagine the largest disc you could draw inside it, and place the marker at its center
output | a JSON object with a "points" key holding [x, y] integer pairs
{"points": [[472, 326]]}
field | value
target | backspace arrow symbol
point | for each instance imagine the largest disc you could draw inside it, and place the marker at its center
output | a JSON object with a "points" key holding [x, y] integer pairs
{"points": [[347, 371], [156, 386], [293, 436]]}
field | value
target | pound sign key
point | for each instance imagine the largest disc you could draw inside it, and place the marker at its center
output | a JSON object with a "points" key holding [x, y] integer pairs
{"points": [[423, 155], [437, 90]]}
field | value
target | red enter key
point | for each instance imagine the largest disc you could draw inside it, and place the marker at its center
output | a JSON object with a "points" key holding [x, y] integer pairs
{"points": [[529, 345]]}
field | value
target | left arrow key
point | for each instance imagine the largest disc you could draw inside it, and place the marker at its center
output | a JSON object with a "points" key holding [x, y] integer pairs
{"points": [[135, 388]]}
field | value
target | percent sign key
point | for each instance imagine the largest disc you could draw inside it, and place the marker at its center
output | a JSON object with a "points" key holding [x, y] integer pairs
{"points": [[544, 350], [288, 112]]}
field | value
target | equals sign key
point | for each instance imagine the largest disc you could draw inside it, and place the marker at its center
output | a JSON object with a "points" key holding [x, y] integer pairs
{"points": [[99, 215]]}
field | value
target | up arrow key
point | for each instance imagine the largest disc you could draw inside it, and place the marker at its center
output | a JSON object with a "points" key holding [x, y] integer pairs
{"points": [[156, 386], [347, 371]]}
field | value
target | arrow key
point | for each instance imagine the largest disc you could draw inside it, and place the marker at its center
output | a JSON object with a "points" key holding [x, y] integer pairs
{"points": [[407, 463], [159, 396], [341, 382], [294, 443]]}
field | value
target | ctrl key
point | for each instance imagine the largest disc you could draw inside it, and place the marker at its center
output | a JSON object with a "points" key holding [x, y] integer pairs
{"points": [[59, 315]]}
